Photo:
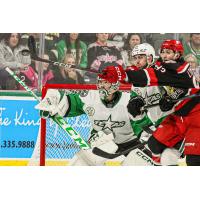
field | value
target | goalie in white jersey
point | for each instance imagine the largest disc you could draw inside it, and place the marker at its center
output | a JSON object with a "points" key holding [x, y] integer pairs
{"points": [[112, 129]]}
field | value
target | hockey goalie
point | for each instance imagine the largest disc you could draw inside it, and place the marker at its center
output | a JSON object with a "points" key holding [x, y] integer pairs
{"points": [[112, 126]]}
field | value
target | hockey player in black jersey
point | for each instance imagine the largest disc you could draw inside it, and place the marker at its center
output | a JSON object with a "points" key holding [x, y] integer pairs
{"points": [[171, 70]]}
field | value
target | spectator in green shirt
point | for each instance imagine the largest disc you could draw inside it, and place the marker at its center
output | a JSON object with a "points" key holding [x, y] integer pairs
{"points": [[193, 46], [72, 45]]}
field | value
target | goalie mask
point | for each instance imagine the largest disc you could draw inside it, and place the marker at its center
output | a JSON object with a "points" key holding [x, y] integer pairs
{"points": [[106, 86]]}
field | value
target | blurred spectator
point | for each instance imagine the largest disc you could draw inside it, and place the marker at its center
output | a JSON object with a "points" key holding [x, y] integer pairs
{"points": [[73, 45], [67, 75], [30, 77], [193, 46], [101, 54], [88, 38], [25, 36], [192, 60], [117, 39], [50, 40], [185, 37], [195, 68], [47, 71], [11, 56], [156, 39], [132, 40]]}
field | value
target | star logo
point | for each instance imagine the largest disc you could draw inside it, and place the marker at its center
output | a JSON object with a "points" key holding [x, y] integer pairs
{"points": [[109, 124]]}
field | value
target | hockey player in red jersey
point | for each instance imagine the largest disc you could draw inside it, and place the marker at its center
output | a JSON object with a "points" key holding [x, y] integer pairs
{"points": [[170, 70]]}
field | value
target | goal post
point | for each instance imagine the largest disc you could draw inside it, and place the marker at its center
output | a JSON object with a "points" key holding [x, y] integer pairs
{"points": [[56, 147]]}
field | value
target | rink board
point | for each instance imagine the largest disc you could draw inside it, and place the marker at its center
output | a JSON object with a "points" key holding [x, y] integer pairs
{"points": [[16, 112], [15, 162], [25, 162]]}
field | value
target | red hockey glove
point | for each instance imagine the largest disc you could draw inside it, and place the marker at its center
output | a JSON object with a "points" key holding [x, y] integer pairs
{"points": [[113, 74]]}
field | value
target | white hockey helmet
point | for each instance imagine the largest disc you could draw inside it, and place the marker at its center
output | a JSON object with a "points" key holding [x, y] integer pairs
{"points": [[144, 49]]}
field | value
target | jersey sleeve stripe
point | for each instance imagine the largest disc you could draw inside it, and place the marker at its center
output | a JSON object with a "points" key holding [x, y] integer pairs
{"points": [[151, 77], [183, 68]]}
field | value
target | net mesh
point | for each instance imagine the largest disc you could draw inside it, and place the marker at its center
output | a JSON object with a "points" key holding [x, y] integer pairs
{"points": [[58, 144], [59, 147]]}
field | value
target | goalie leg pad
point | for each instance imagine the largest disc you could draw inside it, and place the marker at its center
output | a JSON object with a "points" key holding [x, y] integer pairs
{"points": [[77, 161], [137, 158], [170, 156], [93, 160]]}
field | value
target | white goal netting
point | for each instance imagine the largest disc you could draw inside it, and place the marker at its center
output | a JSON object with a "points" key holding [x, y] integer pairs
{"points": [[59, 148]]}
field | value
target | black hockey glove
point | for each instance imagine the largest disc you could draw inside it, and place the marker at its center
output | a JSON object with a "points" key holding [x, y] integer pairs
{"points": [[134, 106], [166, 103]]}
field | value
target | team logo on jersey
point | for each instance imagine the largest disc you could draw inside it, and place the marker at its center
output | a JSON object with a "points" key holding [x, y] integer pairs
{"points": [[84, 93], [90, 111], [173, 92], [151, 99], [108, 124], [137, 91]]}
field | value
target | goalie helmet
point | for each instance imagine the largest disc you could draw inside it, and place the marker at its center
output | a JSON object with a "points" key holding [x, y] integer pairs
{"points": [[106, 85], [144, 49], [174, 45]]}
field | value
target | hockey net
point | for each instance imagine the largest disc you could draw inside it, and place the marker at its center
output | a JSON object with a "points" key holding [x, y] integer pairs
{"points": [[54, 146]]}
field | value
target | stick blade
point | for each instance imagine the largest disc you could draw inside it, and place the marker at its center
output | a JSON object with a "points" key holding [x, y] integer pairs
{"points": [[32, 46], [103, 154]]}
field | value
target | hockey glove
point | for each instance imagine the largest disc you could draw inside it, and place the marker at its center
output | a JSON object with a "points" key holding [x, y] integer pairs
{"points": [[166, 103], [53, 103], [113, 74], [134, 106]]}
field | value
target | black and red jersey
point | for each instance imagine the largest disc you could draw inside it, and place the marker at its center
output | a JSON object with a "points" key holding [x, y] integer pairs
{"points": [[101, 56], [174, 74]]}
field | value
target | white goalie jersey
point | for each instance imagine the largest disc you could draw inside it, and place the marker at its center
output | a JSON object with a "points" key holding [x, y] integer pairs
{"points": [[114, 120]]}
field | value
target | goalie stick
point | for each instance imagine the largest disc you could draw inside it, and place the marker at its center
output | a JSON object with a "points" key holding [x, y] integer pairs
{"points": [[57, 118], [107, 155], [34, 56]]}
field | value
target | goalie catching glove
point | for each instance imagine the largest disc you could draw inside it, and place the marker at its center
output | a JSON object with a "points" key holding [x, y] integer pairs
{"points": [[53, 103]]}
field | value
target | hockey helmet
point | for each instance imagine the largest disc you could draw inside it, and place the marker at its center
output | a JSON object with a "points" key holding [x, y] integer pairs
{"points": [[174, 45], [144, 49]]}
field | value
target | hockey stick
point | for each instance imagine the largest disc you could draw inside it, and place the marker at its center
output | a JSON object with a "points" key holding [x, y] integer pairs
{"points": [[57, 118], [107, 155], [34, 56]]}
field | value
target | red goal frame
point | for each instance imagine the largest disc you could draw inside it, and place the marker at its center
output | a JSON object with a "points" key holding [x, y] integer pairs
{"points": [[123, 87]]}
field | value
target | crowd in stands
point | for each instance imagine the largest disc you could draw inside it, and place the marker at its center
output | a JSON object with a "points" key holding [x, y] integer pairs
{"points": [[87, 51]]}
